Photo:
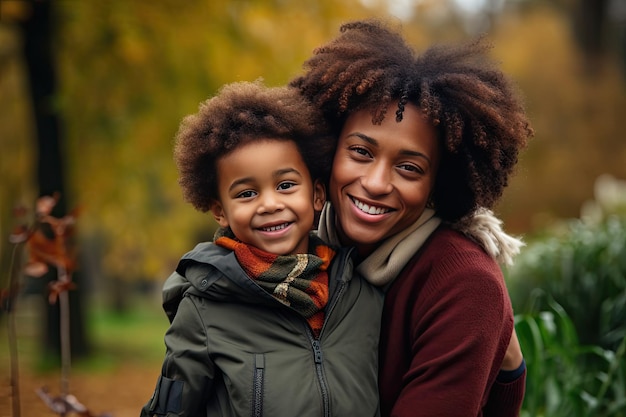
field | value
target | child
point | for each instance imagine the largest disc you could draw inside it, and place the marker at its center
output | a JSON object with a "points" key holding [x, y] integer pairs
{"points": [[267, 319]]}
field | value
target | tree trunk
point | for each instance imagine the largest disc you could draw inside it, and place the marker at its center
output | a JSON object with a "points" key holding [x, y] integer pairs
{"points": [[37, 32], [590, 20]]}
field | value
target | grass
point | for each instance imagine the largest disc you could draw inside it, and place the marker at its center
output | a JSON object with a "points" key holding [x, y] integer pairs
{"points": [[133, 335], [115, 338]]}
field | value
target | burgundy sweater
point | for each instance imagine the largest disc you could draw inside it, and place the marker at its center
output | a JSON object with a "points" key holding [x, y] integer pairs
{"points": [[446, 325]]}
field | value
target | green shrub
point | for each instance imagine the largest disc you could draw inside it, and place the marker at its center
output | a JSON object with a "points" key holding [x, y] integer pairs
{"points": [[569, 291], [584, 270], [559, 384]]}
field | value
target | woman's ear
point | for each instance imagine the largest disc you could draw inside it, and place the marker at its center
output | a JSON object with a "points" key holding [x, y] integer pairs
{"points": [[319, 195], [218, 213]]}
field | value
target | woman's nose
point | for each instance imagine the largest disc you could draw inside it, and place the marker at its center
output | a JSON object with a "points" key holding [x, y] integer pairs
{"points": [[376, 180]]}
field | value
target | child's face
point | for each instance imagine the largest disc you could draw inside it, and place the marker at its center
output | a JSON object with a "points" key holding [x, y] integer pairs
{"points": [[382, 175], [267, 196]]}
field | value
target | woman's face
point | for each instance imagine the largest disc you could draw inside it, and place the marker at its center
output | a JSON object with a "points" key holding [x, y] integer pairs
{"points": [[382, 175]]}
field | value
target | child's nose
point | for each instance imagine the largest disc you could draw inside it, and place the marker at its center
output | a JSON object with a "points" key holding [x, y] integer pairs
{"points": [[270, 202]]}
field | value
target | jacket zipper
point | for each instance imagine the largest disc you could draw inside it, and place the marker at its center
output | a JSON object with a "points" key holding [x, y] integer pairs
{"points": [[318, 355], [257, 386], [321, 378]]}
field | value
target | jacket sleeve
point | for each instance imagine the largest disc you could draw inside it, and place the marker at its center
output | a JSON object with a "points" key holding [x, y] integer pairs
{"points": [[459, 326], [186, 379]]}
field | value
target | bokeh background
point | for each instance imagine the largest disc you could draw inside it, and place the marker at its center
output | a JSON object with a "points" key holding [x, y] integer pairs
{"points": [[92, 93]]}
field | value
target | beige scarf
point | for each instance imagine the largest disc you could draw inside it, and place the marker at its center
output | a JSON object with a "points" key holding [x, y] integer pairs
{"points": [[384, 264]]}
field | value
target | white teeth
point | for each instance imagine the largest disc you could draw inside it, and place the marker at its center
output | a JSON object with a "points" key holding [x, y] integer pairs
{"points": [[370, 209], [274, 228]]}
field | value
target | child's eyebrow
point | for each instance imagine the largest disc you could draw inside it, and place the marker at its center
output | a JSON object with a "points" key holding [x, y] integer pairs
{"points": [[245, 180], [276, 174], [280, 172]]}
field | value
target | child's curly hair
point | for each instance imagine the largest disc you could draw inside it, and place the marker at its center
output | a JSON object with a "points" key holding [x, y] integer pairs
{"points": [[241, 113], [479, 118]]}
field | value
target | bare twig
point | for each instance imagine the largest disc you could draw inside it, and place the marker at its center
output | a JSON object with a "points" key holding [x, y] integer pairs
{"points": [[44, 251], [10, 306], [17, 238], [65, 404]]}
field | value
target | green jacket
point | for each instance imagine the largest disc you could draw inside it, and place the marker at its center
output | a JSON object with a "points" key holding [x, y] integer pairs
{"points": [[234, 350]]}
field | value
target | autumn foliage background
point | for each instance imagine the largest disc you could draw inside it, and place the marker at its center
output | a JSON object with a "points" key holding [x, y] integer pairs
{"points": [[129, 71]]}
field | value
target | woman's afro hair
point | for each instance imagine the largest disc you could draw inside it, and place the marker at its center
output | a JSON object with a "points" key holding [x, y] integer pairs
{"points": [[241, 113], [478, 116]]}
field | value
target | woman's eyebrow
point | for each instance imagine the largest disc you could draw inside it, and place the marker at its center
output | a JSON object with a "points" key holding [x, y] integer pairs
{"points": [[374, 142], [364, 137], [415, 153]]}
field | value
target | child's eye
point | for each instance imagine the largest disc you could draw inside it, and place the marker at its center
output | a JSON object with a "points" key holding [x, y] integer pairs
{"points": [[286, 185], [246, 194]]}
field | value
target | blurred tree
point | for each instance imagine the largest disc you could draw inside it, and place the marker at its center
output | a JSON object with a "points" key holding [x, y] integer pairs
{"points": [[16, 157], [591, 28], [577, 118], [598, 29], [38, 30]]}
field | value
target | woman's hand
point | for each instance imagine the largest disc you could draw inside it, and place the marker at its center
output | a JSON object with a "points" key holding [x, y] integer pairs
{"points": [[513, 356]]}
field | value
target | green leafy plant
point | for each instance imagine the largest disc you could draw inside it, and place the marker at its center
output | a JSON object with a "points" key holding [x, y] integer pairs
{"points": [[569, 289], [584, 270], [559, 381]]}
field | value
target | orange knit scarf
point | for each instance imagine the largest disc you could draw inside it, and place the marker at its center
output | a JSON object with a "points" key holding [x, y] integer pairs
{"points": [[299, 281]]}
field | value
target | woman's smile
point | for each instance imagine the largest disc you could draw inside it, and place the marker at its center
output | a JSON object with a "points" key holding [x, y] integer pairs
{"points": [[368, 208]]}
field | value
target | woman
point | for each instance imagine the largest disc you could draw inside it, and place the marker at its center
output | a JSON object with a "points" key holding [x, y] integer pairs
{"points": [[426, 145]]}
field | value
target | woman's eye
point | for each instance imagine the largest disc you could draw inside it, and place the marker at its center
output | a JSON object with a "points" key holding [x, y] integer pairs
{"points": [[411, 168], [359, 150], [246, 194]]}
